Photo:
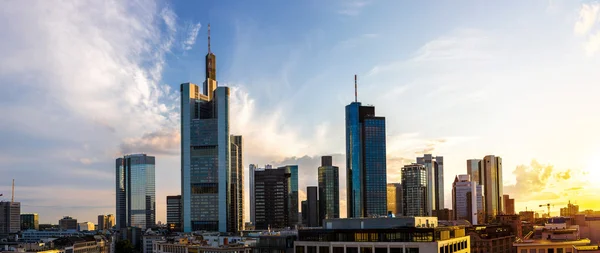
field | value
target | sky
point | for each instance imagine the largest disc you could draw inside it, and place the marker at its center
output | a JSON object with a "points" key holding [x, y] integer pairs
{"points": [[83, 83]]}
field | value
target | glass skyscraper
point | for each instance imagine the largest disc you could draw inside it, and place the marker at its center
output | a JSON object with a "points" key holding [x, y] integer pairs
{"points": [[435, 181], [275, 193], [329, 190], [135, 191], [414, 190], [365, 162], [206, 163]]}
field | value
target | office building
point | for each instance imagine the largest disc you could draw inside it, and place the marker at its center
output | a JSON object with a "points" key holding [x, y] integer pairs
{"points": [[329, 190], [382, 235], [276, 197], [394, 199], [366, 175], [86, 226], [474, 167], [414, 190], [36, 236], [174, 213], [312, 206], [30, 221], [252, 169], [106, 222], [467, 200], [148, 241], [569, 211], [493, 188], [304, 211], [82, 244], [206, 181], [555, 236], [435, 181], [509, 204], [10, 217], [68, 223], [201, 244], [491, 238], [236, 193], [135, 191], [443, 214]]}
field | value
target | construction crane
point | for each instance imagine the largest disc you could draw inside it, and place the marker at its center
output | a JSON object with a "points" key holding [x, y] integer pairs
{"points": [[548, 205]]}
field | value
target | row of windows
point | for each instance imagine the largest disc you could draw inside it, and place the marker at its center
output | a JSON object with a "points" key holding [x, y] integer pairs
{"points": [[325, 249], [455, 247]]}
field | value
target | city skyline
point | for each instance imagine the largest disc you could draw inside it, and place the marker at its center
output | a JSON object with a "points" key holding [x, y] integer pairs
{"points": [[533, 91]]}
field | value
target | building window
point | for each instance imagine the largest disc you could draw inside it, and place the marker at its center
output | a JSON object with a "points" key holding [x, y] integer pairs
{"points": [[299, 249], [323, 249]]}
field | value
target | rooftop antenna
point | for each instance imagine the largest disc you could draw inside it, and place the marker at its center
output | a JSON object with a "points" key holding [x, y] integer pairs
{"points": [[355, 89], [13, 192], [209, 38]]}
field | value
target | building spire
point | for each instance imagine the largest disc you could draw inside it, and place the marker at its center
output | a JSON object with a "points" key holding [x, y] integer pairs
{"points": [[209, 38], [355, 89]]}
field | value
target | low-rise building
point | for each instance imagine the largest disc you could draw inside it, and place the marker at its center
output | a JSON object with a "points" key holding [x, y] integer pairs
{"points": [[197, 244], [491, 238], [84, 244], [555, 236], [382, 235], [43, 235]]}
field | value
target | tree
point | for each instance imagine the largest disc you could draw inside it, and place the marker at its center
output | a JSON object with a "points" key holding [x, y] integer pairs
{"points": [[124, 246]]}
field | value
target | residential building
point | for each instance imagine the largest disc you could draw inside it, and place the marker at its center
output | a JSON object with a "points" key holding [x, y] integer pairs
{"points": [[206, 181], [435, 181], [83, 244], [491, 239], [106, 222], [570, 210], [329, 190], [135, 191], [463, 201], [382, 235], [394, 199], [313, 206], [30, 221], [86, 226], [174, 212], [414, 190], [555, 236], [366, 173], [236, 193], [276, 197], [68, 223], [509, 204], [148, 241], [10, 217]]}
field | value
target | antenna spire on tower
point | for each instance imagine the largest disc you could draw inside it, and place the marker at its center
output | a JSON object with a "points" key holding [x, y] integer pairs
{"points": [[355, 89], [13, 192], [208, 37]]}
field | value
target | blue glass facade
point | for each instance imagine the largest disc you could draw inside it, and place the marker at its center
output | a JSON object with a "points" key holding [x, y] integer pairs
{"points": [[135, 191], [365, 162]]}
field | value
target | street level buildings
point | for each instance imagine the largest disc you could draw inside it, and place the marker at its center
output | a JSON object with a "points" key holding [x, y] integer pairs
{"points": [[329, 190], [366, 173], [135, 191]]}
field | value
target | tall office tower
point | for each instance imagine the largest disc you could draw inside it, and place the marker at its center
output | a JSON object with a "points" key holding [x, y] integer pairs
{"points": [[251, 169], [30, 221], [329, 190], [414, 190], [493, 188], [304, 206], [509, 204], [236, 194], [206, 149], [10, 217], [273, 194], [463, 201], [435, 181], [111, 221], [365, 162], [174, 212], [67, 223], [136, 191], [394, 199], [102, 222], [313, 206], [474, 167]]}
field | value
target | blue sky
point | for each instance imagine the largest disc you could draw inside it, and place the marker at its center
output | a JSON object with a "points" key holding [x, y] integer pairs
{"points": [[82, 84]]}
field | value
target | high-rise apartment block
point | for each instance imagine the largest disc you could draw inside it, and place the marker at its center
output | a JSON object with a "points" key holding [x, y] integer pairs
{"points": [[394, 199], [275, 197], [136, 191], [312, 202], [174, 212], [509, 204], [10, 217], [207, 176], [467, 200], [570, 211], [414, 190], [366, 173], [435, 181], [68, 223], [30, 221], [329, 190], [488, 173], [236, 193], [105, 222]]}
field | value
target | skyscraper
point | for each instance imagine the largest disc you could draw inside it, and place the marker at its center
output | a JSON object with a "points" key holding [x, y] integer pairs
{"points": [[174, 212], [435, 181], [464, 199], [329, 190], [414, 190], [394, 199], [30, 221], [206, 172], [274, 197], [10, 217], [493, 188], [366, 175], [105, 222], [509, 204], [135, 191], [474, 167], [236, 223], [313, 206]]}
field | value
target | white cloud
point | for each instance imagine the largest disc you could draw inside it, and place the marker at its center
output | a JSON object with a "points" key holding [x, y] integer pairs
{"points": [[353, 7], [192, 34], [588, 17]]}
